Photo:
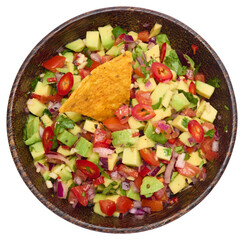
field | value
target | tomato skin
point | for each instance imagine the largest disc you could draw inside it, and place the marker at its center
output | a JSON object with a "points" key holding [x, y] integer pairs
{"points": [[47, 139], [113, 124], [94, 65], [52, 80], [192, 88], [189, 112], [88, 168], [199, 77], [155, 205], [107, 206], [189, 170], [138, 72], [54, 62], [149, 156], [206, 147], [144, 171], [96, 182], [138, 181], [124, 204], [143, 36], [163, 51], [123, 114], [65, 84], [127, 170], [80, 193], [119, 39], [161, 72], [144, 97], [171, 141], [142, 112], [106, 58], [83, 73], [101, 138], [196, 130]]}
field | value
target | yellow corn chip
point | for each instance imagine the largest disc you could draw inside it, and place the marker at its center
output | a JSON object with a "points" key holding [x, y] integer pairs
{"points": [[102, 92]]}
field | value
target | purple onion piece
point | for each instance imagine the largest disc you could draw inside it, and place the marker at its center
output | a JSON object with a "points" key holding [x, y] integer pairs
{"points": [[128, 39], [137, 204], [154, 172], [103, 162], [182, 58], [147, 210], [152, 40], [60, 190], [125, 186], [139, 60]]}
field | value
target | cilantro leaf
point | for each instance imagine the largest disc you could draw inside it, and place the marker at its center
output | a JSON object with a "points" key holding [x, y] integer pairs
{"points": [[157, 105], [189, 97], [167, 151], [214, 82], [47, 112], [118, 31], [34, 83], [179, 149], [185, 122], [63, 123], [162, 38], [196, 69], [209, 133]]}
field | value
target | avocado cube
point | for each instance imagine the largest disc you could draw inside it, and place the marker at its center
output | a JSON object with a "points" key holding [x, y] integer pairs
{"points": [[112, 161], [32, 134], [113, 197], [209, 114], [149, 131], [93, 41], [106, 36], [204, 89], [101, 53], [179, 183], [179, 102], [63, 151], [134, 35], [184, 138], [182, 85], [155, 30], [42, 89], [195, 159], [159, 92], [46, 120], [83, 147], [133, 195], [36, 107], [119, 150], [150, 185], [134, 102], [181, 122], [37, 151], [173, 85], [163, 152], [77, 45], [134, 124], [99, 197], [75, 117], [145, 142], [131, 157], [75, 130], [33, 139], [98, 210], [124, 138], [167, 97], [71, 164], [48, 74], [153, 53], [161, 114], [65, 174], [67, 138], [162, 170], [77, 80], [114, 51], [142, 85], [90, 126], [201, 108], [94, 157]]}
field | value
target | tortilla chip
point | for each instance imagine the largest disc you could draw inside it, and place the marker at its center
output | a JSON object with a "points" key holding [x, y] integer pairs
{"points": [[102, 92]]}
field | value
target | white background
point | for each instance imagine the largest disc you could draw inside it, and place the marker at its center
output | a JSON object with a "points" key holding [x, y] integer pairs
{"points": [[25, 23]]}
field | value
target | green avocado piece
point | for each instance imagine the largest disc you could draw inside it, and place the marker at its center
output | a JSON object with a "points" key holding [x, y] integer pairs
{"points": [[48, 74], [150, 185], [149, 131], [133, 195], [67, 138], [65, 174], [83, 147], [106, 36], [37, 150], [93, 41], [76, 46], [31, 130], [124, 138], [179, 102]]}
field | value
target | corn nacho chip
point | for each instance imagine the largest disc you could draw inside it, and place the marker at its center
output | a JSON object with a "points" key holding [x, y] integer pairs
{"points": [[102, 92]]}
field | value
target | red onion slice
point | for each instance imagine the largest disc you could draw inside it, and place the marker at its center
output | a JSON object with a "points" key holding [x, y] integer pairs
{"points": [[96, 57], [163, 126], [128, 38], [57, 158], [148, 84], [154, 172], [180, 163], [169, 170], [103, 152], [125, 186]]}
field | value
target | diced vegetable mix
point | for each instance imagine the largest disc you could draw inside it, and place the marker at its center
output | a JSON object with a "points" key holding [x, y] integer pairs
{"points": [[151, 149]]}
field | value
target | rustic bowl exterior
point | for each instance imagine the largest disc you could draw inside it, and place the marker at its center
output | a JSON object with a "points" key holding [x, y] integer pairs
{"points": [[130, 18]]}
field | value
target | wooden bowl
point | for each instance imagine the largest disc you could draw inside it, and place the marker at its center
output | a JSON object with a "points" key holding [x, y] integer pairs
{"points": [[130, 18]]}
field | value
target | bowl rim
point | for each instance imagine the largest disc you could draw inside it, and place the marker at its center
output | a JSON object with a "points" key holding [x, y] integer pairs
{"points": [[66, 216]]}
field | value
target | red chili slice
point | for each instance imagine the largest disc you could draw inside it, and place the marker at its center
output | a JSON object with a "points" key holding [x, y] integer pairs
{"points": [[144, 97], [53, 63], [88, 168], [196, 130], [161, 72], [142, 112], [47, 139], [65, 84], [163, 51], [192, 88]]}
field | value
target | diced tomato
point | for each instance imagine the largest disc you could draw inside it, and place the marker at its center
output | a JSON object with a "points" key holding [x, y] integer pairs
{"points": [[161, 179], [203, 174], [163, 51], [106, 58], [196, 130], [189, 149], [142, 112], [155, 205], [53, 63], [55, 98], [94, 65], [189, 112], [52, 80], [80, 193], [208, 126], [189, 74], [192, 88], [144, 97], [159, 194], [119, 39], [199, 77], [87, 135], [194, 48], [138, 72], [123, 114], [47, 139], [83, 73], [101, 138], [65, 84], [124, 204], [88, 168], [143, 36], [161, 72], [127, 170], [132, 93], [96, 182], [81, 175], [206, 147], [42, 99], [171, 141], [107, 206], [173, 200], [138, 181], [135, 134], [72, 198], [144, 171], [189, 170], [113, 124], [149, 156]]}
